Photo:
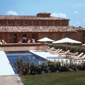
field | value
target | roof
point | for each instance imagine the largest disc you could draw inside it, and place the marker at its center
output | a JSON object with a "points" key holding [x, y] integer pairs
{"points": [[16, 17], [44, 13], [40, 29]]}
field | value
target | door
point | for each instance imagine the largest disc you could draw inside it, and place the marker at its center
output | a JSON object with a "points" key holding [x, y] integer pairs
{"points": [[15, 38]]}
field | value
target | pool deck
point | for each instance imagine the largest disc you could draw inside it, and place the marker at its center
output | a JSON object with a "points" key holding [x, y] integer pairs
{"points": [[7, 75], [47, 55], [9, 80], [5, 66]]}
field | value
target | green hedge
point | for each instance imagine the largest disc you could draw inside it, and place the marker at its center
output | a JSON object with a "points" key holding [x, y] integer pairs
{"points": [[25, 68], [69, 47]]}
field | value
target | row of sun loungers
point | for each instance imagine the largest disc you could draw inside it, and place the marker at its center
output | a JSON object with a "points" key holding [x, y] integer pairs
{"points": [[79, 57], [29, 41], [66, 54]]}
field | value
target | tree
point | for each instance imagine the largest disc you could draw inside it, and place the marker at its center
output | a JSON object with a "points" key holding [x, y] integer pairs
{"points": [[69, 34]]}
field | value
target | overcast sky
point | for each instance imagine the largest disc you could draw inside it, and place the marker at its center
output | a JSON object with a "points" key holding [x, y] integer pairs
{"points": [[70, 9]]}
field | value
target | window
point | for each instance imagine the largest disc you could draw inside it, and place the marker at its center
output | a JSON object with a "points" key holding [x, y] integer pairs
{"points": [[59, 23], [11, 38], [1, 23], [65, 23], [29, 23], [50, 23], [19, 23], [35, 23], [56, 23], [11, 23], [24, 38], [33, 36], [50, 35], [43, 23]]}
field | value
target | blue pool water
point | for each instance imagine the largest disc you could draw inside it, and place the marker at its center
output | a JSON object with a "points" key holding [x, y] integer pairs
{"points": [[12, 56]]}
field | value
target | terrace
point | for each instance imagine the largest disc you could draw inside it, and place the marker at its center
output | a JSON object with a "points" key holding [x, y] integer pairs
{"points": [[29, 50]]}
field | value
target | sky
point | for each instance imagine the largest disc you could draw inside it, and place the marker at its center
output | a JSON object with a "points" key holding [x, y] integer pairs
{"points": [[69, 9]]}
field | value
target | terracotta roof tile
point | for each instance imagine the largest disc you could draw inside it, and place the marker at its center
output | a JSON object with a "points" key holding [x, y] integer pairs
{"points": [[15, 17], [39, 29]]}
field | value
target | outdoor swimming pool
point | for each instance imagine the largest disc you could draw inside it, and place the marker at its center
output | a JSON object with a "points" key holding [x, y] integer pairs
{"points": [[12, 56]]}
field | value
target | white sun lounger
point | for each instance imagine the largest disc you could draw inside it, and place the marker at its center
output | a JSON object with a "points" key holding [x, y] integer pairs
{"points": [[71, 54], [74, 57], [75, 54], [54, 51], [64, 53], [59, 51], [80, 58], [83, 56]]}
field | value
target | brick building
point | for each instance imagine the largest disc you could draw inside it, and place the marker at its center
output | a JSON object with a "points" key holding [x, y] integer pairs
{"points": [[14, 29]]}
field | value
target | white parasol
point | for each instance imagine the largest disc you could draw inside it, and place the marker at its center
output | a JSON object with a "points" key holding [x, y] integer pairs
{"points": [[67, 40]]}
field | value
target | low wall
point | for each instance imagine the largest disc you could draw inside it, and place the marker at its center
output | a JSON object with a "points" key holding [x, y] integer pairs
{"points": [[19, 48]]}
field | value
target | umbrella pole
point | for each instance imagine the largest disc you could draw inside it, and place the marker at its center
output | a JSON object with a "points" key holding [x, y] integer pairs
{"points": [[66, 46], [45, 43]]}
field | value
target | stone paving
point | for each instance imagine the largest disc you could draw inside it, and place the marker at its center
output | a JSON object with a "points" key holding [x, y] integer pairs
{"points": [[9, 80], [7, 75]]}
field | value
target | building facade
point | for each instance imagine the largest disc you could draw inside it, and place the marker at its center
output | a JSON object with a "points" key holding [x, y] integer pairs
{"points": [[14, 29]]}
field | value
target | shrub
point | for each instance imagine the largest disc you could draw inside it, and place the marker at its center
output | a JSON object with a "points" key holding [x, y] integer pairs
{"points": [[79, 67], [83, 65], [53, 66], [33, 69], [63, 68], [21, 66], [39, 68], [46, 66]]}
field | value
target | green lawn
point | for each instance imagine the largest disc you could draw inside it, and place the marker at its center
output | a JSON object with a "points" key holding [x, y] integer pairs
{"points": [[62, 78]]}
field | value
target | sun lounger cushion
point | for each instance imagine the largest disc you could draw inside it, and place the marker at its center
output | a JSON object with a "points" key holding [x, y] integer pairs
{"points": [[83, 56], [80, 54]]}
